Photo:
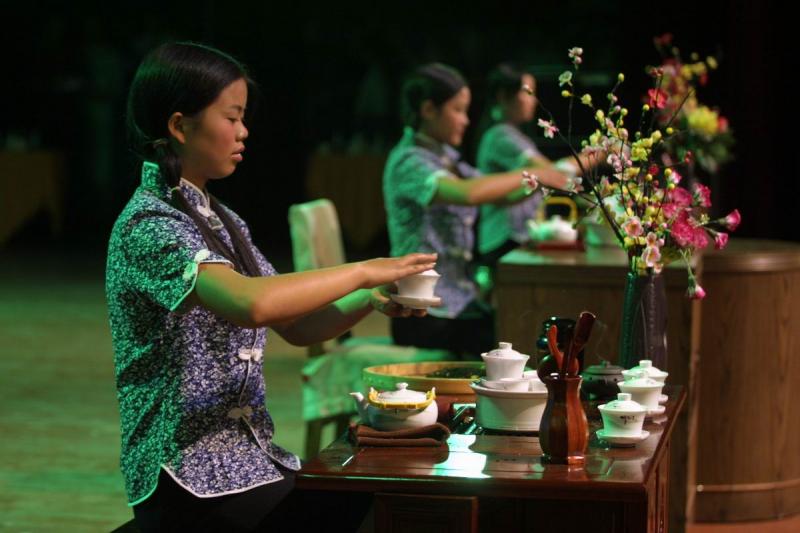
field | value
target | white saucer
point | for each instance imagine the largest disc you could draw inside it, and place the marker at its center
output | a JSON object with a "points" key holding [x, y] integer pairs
{"points": [[663, 398], [622, 441], [413, 302], [657, 411]]}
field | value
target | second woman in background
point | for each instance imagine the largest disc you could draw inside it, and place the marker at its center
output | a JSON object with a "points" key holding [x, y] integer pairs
{"points": [[504, 147]]}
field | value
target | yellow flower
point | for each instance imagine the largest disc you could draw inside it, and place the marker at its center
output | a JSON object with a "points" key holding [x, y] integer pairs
{"points": [[670, 131], [586, 99], [712, 62], [638, 152], [645, 108], [565, 93], [620, 77], [624, 111], [628, 242], [600, 116], [704, 120], [656, 136], [632, 172], [668, 172]]}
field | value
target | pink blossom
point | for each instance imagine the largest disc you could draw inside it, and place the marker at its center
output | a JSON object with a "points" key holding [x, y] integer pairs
{"points": [[720, 240], [702, 195], [695, 291], [653, 240], [633, 227], [675, 177], [651, 256], [699, 237], [682, 231], [670, 210], [549, 128], [680, 196], [732, 220]]}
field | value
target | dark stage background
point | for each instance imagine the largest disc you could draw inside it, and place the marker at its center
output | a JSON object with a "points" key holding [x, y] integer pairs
{"points": [[329, 77]]}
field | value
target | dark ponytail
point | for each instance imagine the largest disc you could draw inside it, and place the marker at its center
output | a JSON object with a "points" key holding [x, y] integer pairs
{"points": [[435, 82], [186, 78]]}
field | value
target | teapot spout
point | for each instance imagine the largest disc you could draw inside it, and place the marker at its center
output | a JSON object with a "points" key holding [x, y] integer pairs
{"points": [[361, 404]]}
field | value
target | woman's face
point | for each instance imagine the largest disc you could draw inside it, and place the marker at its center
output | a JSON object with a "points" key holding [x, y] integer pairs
{"points": [[520, 107], [214, 138], [448, 122]]}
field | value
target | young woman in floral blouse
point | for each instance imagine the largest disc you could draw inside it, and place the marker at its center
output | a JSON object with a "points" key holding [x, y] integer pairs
{"points": [[189, 298]]}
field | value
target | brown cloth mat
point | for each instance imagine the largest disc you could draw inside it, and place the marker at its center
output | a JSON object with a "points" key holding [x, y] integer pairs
{"points": [[432, 435]]}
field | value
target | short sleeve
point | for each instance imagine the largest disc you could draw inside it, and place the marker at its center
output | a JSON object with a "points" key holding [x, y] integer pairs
{"points": [[504, 150], [162, 254], [415, 178]]}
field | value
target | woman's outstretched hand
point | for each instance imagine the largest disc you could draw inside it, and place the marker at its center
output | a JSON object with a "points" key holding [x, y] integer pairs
{"points": [[381, 271]]}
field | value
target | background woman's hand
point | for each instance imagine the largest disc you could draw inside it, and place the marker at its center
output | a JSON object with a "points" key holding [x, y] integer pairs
{"points": [[387, 270]]}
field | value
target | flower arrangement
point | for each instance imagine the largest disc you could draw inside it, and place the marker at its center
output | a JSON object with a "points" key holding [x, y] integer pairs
{"points": [[703, 132], [655, 219]]}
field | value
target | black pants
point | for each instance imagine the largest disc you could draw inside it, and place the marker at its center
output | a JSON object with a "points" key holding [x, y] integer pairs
{"points": [[273, 507], [467, 336]]}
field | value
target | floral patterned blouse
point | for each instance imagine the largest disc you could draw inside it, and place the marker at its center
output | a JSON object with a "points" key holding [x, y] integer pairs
{"points": [[189, 383], [410, 181], [504, 148]]}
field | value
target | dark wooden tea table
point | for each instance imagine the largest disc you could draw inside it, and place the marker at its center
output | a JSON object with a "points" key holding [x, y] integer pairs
{"points": [[487, 483]]}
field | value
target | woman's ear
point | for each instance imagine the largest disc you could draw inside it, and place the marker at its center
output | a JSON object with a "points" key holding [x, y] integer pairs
{"points": [[427, 110], [177, 126]]}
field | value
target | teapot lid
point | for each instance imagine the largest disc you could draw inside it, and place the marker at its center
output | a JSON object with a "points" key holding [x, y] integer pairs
{"points": [[401, 398], [505, 351], [603, 369], [623, 403]]}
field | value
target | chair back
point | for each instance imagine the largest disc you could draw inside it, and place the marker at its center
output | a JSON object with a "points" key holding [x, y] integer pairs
{"points": [[316, 235]]}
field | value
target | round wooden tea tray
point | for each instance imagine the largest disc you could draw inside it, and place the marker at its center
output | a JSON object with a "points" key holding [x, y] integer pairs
{"points": [[385, 377]]}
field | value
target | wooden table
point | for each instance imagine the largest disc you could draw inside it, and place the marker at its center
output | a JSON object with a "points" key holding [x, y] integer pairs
{"points": [[498, 483]]}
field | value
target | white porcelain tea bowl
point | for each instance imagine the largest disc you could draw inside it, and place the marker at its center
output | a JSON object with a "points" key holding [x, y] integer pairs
{"points": [[504, 362], [419, 285], [643, 390], [622, 417]]}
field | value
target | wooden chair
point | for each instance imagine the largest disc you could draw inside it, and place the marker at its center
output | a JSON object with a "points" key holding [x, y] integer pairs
{"points": [[331, 373]]}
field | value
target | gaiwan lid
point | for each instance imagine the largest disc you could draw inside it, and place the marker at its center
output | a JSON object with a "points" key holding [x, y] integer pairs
{"points": [[623, 404], [639, 381], [505, 351], [646, 366], [401, 398]]}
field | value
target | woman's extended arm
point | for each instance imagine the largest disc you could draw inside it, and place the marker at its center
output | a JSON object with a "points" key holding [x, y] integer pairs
{"points": [[279, 300]]}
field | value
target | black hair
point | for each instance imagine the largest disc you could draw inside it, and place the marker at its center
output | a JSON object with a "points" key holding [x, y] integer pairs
{"points": [[184, 77], [505, 79], [435, 82]]}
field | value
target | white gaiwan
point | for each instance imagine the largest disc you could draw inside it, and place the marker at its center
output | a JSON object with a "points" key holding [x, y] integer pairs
{"points": [[622, 417], [419, 285], [402, 408], [504, 362], [644, 390], [648, 370], [554, 229]]}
